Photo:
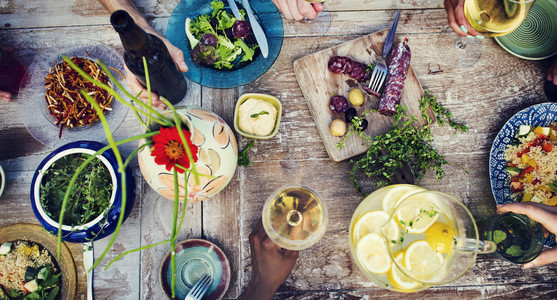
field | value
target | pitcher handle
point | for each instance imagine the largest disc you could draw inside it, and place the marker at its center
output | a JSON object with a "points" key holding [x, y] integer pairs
{"points": [[479, 246]]}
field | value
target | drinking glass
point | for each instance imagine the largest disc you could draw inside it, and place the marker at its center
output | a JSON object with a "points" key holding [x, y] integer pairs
{"points": [[489, 17], [519, 239], [421, 238], [294, 217], [320, 25]]}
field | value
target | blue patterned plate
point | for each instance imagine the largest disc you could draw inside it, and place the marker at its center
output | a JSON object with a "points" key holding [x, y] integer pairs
{"points": [[271, 22], [536, 115]]}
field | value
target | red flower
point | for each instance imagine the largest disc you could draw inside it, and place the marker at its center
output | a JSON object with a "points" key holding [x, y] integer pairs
{"points": [[169, 150]]}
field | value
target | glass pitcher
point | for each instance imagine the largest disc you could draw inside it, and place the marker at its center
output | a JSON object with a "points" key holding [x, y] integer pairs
{"points": [[407, 239]]}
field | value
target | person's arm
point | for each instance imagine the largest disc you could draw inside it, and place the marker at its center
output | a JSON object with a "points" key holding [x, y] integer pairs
{"points": [[176, 54], [298, 9], [457, 20], [270, 265], [545, 215], [552, 73]]}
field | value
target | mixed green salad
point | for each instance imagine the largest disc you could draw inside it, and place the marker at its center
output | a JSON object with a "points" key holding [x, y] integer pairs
{"points": [[220, 40]]}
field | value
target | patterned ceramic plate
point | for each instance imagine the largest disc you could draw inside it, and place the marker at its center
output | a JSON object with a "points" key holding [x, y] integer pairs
{"points": [[195, 258], [537, 115], [536, 37]]}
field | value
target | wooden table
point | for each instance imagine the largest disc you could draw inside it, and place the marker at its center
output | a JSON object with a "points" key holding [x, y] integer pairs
{"points": [[483, 97]]}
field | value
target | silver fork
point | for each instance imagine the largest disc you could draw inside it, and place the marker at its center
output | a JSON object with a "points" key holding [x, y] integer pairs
{"points": [[200, 288], [380, 71]]}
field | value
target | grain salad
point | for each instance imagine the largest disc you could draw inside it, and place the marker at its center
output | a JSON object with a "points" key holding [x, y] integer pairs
{"points": [[532, 164], [25, 269]]}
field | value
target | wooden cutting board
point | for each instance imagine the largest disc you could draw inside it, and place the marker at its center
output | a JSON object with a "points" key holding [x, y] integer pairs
{"points": [[318, 84]]}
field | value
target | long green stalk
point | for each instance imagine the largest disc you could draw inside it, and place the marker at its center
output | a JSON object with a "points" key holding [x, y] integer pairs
{"points": [[173, 235]]}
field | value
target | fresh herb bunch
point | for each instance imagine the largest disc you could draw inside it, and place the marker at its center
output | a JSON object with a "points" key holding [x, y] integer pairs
{"points": [[430, 213], [89, 198], [218, 39], [243, 159], [403, 145]]}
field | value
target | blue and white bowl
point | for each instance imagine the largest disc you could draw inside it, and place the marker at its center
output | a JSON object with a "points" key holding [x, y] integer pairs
{"points": [[101, 226]]}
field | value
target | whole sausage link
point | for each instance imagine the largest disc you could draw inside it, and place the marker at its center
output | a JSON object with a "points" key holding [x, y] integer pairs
{"points": [[399, 63]]}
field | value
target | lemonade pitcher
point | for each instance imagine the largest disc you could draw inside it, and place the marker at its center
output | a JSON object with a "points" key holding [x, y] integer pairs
{"points": [[406, 238]]}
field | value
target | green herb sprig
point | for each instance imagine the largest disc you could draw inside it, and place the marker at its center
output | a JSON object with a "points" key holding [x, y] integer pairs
{"points": [[259, 114], [404, 144], [243, 159]]}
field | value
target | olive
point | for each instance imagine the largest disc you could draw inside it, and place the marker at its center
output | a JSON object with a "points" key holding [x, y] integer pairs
{"points": [[337, 127], [362, 124], [350, 114]]}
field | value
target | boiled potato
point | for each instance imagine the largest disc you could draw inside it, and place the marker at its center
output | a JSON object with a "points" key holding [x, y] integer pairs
{"points": [[356, 97], [338, 127]]}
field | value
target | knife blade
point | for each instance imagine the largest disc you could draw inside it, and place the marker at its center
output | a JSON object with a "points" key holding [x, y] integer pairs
{"points": [[234, 9], [88, 258], [257, 30], [391, 35]]}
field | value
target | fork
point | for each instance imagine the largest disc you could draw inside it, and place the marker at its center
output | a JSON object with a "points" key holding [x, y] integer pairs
{"points": [[200, 288], [380, 71]]}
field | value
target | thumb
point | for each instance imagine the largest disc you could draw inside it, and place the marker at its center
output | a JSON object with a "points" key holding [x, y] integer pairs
{"points": [[546, 257]]}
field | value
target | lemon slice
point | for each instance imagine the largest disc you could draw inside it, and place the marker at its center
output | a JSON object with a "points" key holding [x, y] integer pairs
{"points": [[397, 193], [440, 237], [373, 254], [372, 221], [399, 279], [417, 215], [422, 260]]}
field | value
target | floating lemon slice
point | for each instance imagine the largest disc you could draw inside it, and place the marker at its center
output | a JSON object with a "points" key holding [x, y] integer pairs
{"points": [[423, 261], [399, 279], [372, 221], [396, 194], [373, 254], [418, 214], [440, 237]]}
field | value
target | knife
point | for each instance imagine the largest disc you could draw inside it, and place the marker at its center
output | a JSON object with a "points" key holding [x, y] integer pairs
{"points": [[391, 35], [88, 258], [256, 28]]}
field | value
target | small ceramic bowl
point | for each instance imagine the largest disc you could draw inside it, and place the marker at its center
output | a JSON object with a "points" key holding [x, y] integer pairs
{"points": [[2, 180], [273, 100], [99, 227]]}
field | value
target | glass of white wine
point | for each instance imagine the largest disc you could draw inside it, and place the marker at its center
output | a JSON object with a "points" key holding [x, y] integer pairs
{"points": [[489, 17], [294, 217]]}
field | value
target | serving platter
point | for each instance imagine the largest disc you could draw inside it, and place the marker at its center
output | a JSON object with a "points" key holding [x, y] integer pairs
{"points": [[33, 106], [536, 115], [269, 18], [317, 85], [36, 234]]}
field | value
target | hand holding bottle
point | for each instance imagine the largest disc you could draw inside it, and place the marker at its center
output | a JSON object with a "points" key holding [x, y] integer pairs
{"points": [[545, 215]]}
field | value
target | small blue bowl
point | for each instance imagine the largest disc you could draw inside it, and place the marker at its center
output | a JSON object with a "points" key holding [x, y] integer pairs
{"points": [[100, 227]]}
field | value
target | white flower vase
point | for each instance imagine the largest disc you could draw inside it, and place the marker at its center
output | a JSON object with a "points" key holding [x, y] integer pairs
{"points": [[217, 157]]}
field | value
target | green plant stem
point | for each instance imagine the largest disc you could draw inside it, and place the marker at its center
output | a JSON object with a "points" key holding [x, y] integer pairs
{"points": [[173, 235], [148, 83], [135, 250]]}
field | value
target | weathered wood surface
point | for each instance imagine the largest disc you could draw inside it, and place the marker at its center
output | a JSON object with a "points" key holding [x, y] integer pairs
{"points": [[483, 97]]}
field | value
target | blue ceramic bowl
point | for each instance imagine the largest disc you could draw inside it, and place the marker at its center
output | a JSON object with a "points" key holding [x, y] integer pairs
{"points": [[100, 227]]}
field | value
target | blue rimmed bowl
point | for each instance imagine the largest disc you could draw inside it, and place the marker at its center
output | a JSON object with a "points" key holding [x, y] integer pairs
{"points": [[104, 224]]}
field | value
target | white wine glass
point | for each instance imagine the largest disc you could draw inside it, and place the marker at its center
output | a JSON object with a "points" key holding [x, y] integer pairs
{"points": [[294, 217], [489, 17]]}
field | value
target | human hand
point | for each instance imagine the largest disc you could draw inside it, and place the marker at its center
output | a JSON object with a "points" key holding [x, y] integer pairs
{"points": [[457, 20], [545, 215], [298, 9], [136, 86], [270, 265], [6, 96]]}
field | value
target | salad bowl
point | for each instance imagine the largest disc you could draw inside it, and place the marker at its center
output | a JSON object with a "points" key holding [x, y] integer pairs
{"points": [[269, 18], [103, 224]]}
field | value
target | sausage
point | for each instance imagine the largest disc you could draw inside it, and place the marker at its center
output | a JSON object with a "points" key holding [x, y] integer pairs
{"points": [[399, 62], [348, 66]]}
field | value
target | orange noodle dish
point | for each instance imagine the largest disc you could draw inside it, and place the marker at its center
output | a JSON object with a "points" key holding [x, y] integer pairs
{"points": [[63, 96], [532, 164]]}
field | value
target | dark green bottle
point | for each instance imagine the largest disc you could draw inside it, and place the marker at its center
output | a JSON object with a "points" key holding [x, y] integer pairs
{"points": [[166, 80]]}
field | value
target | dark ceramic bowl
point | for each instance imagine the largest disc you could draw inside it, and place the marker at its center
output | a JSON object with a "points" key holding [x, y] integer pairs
{"points": [[100, 227]]}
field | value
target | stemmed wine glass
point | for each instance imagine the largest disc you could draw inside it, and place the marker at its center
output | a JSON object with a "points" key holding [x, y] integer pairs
{"points": [[489, 17], [294, 217]]}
